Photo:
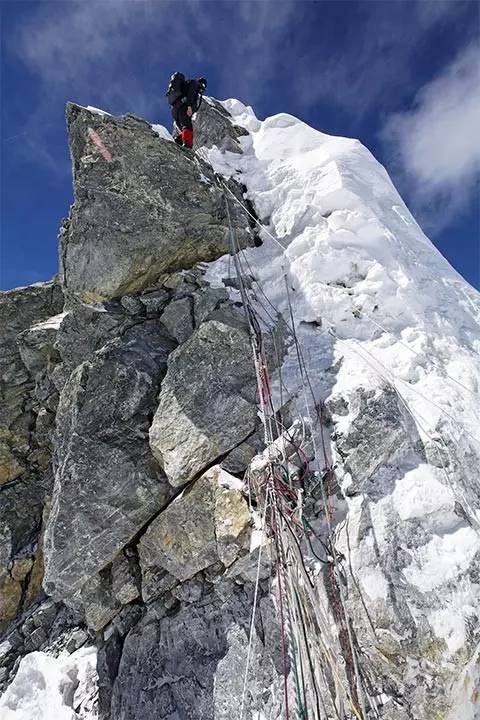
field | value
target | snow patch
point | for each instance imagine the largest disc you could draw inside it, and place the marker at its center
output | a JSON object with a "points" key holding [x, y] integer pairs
{"points": [[449, 622], [49, 688], [229, 481], [97, 111], [52, 323], [420, 493]]}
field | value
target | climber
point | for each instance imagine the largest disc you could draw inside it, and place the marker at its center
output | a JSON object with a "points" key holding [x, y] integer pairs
{"points": [[185, 97]]}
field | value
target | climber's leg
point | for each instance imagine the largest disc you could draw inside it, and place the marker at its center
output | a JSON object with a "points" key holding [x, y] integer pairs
{"points": [[185, 122]]}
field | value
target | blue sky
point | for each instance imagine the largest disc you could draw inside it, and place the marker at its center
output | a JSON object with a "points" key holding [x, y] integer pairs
{"points": [[403, 77]]}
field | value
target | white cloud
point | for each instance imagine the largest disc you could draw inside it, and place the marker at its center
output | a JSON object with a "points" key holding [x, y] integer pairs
{"points": [[436, 144]]}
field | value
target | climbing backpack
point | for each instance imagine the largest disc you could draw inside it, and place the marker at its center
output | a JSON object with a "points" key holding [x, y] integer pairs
{"points": [[176, 87]]}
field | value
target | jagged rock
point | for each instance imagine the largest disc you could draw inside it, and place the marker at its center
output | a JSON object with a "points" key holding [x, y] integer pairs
{"points": [[212, 126], [207, 400], [19, 309], [107, 483], [240, 457], [76, 640], [178, 319], [10, 597], [169, 666], [37, 344], [155, 301], [126, 577], [191, 590], [21, 568], [82, 331], [104, 594], [154, 212], [25, 476], [45, 614], [232, 517], [156, 582], [36, 639], [98, 601], [213, 520], [245, 569], [206, 301], [379, 428], [133, 306]]}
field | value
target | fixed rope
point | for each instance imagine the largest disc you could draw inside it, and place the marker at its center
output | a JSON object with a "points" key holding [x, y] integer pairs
{"points": [[285, 502]]}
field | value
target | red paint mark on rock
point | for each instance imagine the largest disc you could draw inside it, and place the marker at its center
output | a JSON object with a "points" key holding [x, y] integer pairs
{"points": [[97, 140]]}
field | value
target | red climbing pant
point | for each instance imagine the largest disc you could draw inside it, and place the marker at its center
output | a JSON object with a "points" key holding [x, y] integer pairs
{"points": [[187, 137]]}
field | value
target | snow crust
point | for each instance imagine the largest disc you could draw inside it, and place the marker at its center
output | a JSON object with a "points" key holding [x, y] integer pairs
{"points": [[372, 296], [49, 688]]}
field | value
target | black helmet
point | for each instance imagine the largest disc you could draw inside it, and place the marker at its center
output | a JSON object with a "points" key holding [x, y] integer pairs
{"points": [[202, 82]]}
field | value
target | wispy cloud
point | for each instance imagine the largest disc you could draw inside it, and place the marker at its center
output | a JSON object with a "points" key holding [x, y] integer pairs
{"points": [[95, 53], [435, 144], [87, 45], [375, 60]]}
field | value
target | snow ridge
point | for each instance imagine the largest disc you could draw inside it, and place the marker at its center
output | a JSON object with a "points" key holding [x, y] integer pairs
{"points": [[374, 298]]}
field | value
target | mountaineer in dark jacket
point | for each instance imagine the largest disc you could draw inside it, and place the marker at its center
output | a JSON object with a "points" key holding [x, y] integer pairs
{"points": [[185, 97]]}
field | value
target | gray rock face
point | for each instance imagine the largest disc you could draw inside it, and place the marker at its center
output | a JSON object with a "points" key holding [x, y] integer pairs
{"points": [[380, 429], [141, 214], [212, 126], [107, 484], [104, 594], [210, 379], [187, 665]]}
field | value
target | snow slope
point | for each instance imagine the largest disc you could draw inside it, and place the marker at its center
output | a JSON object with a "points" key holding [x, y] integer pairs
{"points": [[374, 300]]}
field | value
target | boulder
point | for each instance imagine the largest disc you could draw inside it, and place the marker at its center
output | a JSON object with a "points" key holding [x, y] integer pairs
{"points": [[142, 208], [107, 484], [207, 401], [203, 525], [104, 594]]}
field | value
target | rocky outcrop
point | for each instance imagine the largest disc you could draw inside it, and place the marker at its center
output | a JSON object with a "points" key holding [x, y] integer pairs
{"points": [[129, 414], [19, 309], [103, 462], [213, 126], [143, 207]]}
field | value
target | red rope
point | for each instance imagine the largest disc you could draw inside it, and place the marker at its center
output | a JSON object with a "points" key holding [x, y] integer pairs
{"points": [[282, 617]]}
